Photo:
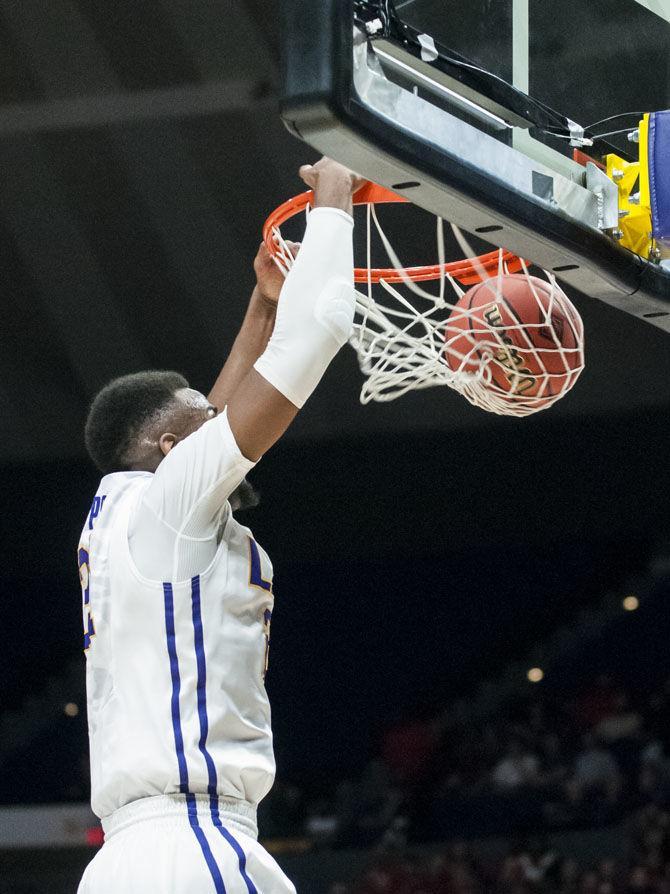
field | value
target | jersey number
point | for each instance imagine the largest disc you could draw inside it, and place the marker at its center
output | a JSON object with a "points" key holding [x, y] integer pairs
{"points": [[256, 580], [84, 577]]}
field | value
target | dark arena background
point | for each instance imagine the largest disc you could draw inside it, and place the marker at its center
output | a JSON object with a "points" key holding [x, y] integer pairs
{"points": [[469, 672]]}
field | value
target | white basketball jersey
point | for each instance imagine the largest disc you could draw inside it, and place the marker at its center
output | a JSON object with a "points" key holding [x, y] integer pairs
{"points": [[175, 669]]}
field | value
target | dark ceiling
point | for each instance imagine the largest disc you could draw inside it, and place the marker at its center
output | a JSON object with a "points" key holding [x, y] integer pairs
{"points": [[140, 150]]}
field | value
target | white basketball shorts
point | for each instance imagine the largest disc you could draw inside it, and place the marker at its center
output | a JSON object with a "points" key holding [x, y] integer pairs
{"points": [[181, 844]]}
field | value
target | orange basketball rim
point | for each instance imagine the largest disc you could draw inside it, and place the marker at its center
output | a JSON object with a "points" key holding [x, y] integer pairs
{"points": [[467, 271]]}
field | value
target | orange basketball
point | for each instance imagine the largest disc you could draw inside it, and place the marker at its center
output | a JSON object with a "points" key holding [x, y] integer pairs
{"points": [[523, 333]]}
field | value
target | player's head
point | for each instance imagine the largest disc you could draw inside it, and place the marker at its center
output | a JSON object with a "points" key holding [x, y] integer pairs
{"points": [[136, 420]]}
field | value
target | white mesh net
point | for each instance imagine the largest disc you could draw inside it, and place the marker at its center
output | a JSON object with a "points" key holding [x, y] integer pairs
{"points": [[512, 345]]}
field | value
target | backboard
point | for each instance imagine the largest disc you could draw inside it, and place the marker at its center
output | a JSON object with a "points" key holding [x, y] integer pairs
{"points": [[492, 114]]}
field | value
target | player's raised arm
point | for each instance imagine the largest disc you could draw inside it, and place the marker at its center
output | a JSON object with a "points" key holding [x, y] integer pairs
{"points": [[314, 317], [256, 329], [153, 422]]}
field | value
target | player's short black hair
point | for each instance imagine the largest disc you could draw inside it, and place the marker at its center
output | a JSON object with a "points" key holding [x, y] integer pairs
{"points": [[119, 412]]}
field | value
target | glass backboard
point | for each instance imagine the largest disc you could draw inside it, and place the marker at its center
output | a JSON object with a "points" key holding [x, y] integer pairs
{"points": [[492, 114], [588, 61]]}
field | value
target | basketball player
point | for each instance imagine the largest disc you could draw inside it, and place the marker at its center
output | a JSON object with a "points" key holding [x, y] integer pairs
{"points": [[177, 596]]}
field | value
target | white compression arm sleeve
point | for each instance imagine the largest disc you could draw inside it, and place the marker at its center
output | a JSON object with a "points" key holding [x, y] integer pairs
{"points": [[315, 313]]}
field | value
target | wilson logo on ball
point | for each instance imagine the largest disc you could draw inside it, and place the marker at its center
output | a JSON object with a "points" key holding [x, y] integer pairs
{"points": [[519, 336], [519, 377]]}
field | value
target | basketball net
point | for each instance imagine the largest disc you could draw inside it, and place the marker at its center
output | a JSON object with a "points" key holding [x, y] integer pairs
{"points": [[406, 343]]}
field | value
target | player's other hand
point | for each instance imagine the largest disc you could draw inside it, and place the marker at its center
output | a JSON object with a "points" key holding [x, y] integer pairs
{"points": [[328, 171], [269, 278]]}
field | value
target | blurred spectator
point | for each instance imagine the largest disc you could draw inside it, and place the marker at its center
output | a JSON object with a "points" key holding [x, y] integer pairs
{"points": [[654, 775], [321, 823], [589, 883], [388, 875], [517, 768], [623, 722], [609, 877], [640, 881], [458, 872], [568, 876], [536, 863], [511, 877], [526, 869], [595, 771], [366, 809], [377, 801], [395, 837], [650, 833]]}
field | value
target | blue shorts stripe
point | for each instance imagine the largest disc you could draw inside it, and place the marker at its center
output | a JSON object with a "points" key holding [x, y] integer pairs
{"points": [[199, 642], [191, 804], [201, 690], [234, 843], [214, 870], [176, 686]]}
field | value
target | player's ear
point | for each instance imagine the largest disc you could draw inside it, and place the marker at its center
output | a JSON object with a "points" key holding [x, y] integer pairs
{"points": [[166, 442]]}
